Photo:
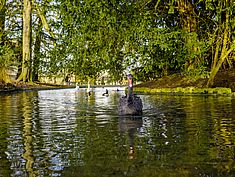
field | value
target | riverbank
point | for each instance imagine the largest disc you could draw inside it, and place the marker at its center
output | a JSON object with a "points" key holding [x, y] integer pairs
{"points": [[187, 91], [224, 83], [16, 87]]}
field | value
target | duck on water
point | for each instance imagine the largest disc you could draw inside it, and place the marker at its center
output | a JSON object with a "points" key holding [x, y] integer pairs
{"points": [[130, 104], [106, 93]]}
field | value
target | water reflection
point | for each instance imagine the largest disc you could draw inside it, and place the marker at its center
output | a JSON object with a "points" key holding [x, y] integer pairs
{"points": [[27, 135], [130, 125], [67, 133]]}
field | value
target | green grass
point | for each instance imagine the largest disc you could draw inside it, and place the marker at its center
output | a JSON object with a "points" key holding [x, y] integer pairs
{"points": [[186, 90]]}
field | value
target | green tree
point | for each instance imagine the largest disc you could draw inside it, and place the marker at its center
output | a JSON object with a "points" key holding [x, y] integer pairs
{"points": [[92, 38], [153, 38], [27, 32], [224, 37], [6, 53], [37, 54]]}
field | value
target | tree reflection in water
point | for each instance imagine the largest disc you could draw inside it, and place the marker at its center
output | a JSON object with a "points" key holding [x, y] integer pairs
{"points": [[28, 135], [67, 133]]}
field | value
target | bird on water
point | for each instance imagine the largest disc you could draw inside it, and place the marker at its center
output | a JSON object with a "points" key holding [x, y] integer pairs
{"points": [[106, 93], [130, 104]]}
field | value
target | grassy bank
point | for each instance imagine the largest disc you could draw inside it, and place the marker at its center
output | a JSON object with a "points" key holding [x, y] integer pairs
{"points": [[186, 90], [224, 84]]}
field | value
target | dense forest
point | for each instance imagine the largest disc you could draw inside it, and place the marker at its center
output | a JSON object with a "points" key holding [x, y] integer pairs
{"points": [[150, 38]]}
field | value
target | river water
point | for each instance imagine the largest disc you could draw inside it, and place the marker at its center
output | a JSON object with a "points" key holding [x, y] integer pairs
{"points": [[66, 133]]}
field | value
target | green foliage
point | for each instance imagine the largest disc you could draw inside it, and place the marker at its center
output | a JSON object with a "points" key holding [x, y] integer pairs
{"points": [[95, 36], [2, 3], [6, 56]]}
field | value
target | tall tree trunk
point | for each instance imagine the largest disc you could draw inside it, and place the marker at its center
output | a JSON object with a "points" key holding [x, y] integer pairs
{"points": [[225, 49], [26, 55], [216, 55], [37, 47], [188, 20]]}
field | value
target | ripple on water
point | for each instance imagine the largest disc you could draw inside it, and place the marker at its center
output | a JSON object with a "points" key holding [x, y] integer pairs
{"points": [[58, 131]]}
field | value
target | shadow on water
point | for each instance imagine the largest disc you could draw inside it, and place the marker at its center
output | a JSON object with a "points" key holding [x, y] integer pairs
{"points": [[68, 133]]}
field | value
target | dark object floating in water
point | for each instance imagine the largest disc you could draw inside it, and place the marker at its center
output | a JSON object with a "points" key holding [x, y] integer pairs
{"points": [[106, 93], [89, 93], [130, 104]]}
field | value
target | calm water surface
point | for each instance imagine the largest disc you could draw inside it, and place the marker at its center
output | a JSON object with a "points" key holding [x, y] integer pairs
{"points": [[65, 133]]}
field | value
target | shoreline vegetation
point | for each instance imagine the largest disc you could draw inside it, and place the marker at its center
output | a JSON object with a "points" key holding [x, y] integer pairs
{"points": [[150, 38], [186, 91], [224, 84], [11, 88]]}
